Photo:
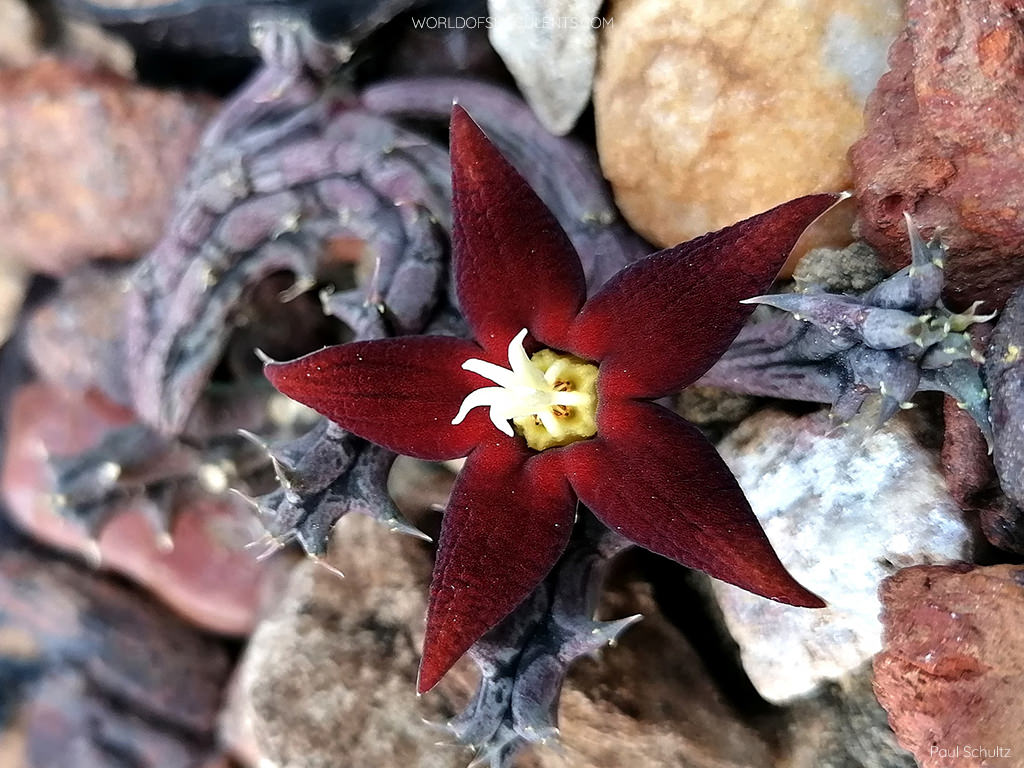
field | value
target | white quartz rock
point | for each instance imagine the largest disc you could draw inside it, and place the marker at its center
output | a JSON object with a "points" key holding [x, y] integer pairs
{"points": [[550, 47], [843, 510]]}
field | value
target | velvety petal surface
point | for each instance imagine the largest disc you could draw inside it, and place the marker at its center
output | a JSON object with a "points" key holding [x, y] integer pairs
{"points": [[508, 520], [514, 265], [661, 322], [400, 393], [655, 479]]}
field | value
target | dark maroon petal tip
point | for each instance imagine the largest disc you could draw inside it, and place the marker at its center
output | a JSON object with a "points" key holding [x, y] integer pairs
{"points": [[656, 480], [400, 393], [661, 322], [508, 520], [514, 265]]}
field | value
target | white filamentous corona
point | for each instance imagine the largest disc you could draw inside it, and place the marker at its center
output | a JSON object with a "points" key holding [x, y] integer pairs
{"points": [[555, 390]]}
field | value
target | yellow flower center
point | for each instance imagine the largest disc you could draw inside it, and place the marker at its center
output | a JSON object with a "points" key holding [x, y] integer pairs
{"points": [[551, 398]]}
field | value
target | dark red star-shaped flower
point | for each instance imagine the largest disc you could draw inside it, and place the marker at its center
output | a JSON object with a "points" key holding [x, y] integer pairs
{"points": [[551, 403]]}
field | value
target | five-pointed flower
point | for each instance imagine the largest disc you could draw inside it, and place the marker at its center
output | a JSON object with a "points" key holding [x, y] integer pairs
{"points": [[551, 403]]}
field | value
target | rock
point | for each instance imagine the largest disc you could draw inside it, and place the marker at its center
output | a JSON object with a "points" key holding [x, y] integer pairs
{"points": [[965, 461], [971, 479], [708, 113], [551, 49], [19, 34], [88, 306], [332, 672], [92, 46], [91, 162], [95, 675], [938, 128], [23, 33], [207, 576], [843, 511], [66, 726], [13, 284], [1002, 522], [711, 407], [842, 726], [952, 669], [647, 703], [854, 269]]}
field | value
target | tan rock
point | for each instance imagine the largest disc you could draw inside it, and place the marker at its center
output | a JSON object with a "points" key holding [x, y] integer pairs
{"points": [[89, 43], [952, 669], [843, 725], [709, 112], [19, 34], [332, 672], [13, 284], [648, 703]]}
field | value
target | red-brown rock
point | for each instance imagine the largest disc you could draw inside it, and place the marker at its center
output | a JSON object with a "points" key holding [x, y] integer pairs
{"points": [[90, 163], [944, 128], [966, 464], [952, 670], [207, 576]]}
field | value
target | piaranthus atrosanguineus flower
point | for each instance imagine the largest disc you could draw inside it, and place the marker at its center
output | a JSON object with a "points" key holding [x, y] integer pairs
{"points": [[551, 404]]}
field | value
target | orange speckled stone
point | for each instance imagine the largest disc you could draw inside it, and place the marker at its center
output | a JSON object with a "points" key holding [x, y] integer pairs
{"points": [[709, 112]]}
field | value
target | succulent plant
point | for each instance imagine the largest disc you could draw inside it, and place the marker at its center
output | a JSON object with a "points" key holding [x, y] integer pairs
{"points": [[523, 661], [287, 174], [286, 171], [1004, 374], [891, 341]]}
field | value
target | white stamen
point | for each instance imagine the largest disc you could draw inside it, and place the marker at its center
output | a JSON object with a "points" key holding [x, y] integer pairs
{"points": [[523, 390]]}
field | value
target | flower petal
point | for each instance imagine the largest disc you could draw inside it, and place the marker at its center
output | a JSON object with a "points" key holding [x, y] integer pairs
{"points": [[661, 322], [400, 393], [514, 265], [508, 520], [656, 480]]}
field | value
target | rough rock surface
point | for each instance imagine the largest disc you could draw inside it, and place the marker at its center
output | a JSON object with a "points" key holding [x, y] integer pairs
{"points": [[939, 127], [966, 464], [843, 726], [854, 269], [551, 49], [90, 163], [207, 576], [843, 510], [711, 407], [952, 669], [708, 113], [92, 675], [332, 672]]}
